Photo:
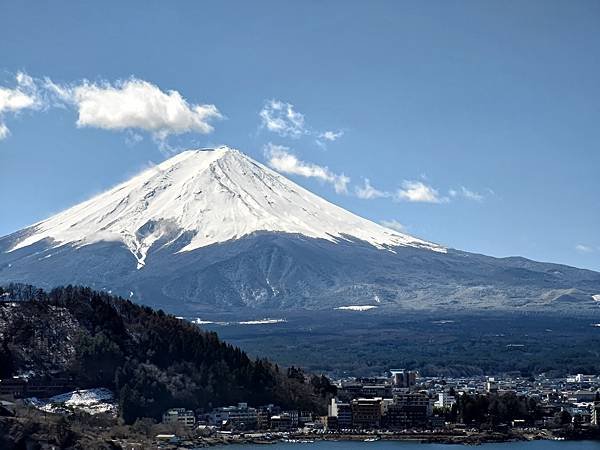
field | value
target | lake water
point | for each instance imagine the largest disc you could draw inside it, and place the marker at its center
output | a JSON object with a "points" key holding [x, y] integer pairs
{"points": [[391, 445]]}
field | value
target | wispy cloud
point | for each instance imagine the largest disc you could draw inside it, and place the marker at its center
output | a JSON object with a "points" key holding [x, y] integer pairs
{"points": [[331, 135], [132, 138], [281, 118], [284, 119], [584, 248], [394, 225], [328, 136], [280, 159], [466, 193], [417, 191], [368, 192], [13, 100], [410, 191]]}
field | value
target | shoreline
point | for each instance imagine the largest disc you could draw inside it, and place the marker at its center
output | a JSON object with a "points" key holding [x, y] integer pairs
{"points": [[469, 438]]}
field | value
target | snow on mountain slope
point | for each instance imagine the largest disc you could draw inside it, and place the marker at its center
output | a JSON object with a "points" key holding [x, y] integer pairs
{"points": [[213, 196], [91, 401]]}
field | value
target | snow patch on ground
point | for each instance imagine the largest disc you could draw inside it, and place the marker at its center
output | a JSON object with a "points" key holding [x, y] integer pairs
{"points": [[357, 307], [91, 401], [265, 321], [25, 375], [262, 322], [199, 321]]}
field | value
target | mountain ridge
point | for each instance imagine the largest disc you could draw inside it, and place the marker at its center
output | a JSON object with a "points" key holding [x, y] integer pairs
{"points": [[214, 230]]}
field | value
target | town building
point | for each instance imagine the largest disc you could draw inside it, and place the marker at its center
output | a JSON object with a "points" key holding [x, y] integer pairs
{"points": [[240, 417], [366, 413], [263, 416], [402, 378], [491, 386], [304, 417], [376, 390], [595, 419], [180, 416], [348, 390], [581, 396], [331, 423], [445, 401], [281, 422], [342, 412], [294, 418], [409, 410]]}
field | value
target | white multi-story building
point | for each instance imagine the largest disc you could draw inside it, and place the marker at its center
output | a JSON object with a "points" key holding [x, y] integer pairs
{"points": [[240, 416], [445, 401], [182, 416]]}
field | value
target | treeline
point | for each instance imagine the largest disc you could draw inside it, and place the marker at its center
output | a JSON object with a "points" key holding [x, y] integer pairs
{"points": [[493, 410], [152, 360]]}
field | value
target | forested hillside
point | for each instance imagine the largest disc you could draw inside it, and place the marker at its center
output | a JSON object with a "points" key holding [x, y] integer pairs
{"points": [[151, 360]]}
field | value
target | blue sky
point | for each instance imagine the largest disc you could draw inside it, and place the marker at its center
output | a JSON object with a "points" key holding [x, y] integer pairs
{"points": [[477, 123]]}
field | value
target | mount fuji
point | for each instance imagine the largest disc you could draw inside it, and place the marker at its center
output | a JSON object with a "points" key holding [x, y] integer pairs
{"points": [[214, 230]]}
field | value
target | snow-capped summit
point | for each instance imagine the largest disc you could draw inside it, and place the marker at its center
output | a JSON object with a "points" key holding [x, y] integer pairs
{"points": [[214, 230], [212, 196]]}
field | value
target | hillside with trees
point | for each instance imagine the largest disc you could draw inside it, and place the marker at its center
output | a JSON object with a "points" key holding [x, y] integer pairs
{"points": [[151, 360]]}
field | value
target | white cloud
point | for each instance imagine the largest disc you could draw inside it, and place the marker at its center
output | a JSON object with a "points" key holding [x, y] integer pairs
{"points": [[132, 105], [137, 104], [410, 191], [280, 159], [368, 192], [417, 191], [466, 193], [328, 136], [582, 248], [4, 131], [394, 225], [331, 135], [132, 138], [13, 100], [281, 118]]}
